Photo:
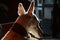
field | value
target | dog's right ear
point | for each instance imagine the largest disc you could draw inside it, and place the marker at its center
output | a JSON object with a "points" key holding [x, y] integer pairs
{"points": [[21, 9], [31, 8]]}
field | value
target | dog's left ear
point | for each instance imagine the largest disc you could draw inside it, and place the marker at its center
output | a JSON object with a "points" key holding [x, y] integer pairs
{"points": [[21, 9], [31, 8]]}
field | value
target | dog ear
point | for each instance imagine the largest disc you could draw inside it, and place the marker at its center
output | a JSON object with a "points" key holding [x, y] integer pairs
{"points": [[21, 9], [31, 8]]}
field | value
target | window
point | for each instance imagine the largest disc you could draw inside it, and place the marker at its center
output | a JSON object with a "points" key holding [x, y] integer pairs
{"points": [[44, 13], [48, 6]]}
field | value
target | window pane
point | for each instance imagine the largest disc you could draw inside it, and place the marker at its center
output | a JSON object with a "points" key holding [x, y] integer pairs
{"points": [[47, 12], [39, 12], [39, 2]]}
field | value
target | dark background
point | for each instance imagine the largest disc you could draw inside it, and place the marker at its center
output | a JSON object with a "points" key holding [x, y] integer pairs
{"points": [[10, 14]]}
